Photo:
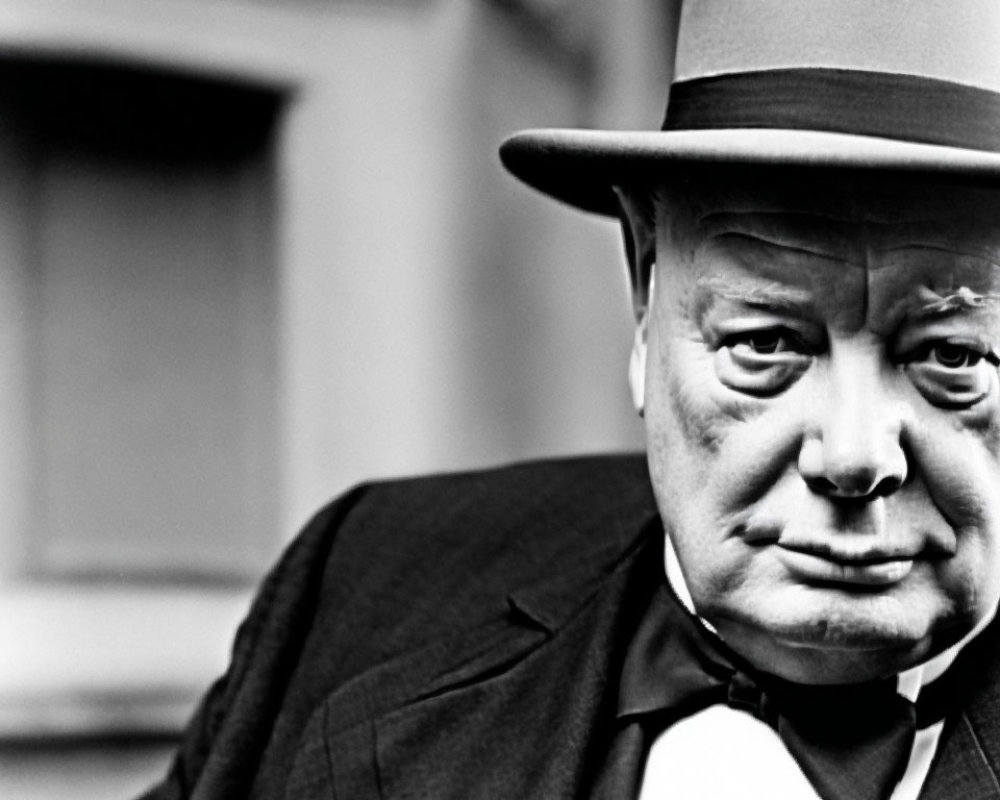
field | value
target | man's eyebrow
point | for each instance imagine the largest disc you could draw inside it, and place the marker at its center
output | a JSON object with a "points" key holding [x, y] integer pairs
{"points": [[766, 296], [931, 305]]}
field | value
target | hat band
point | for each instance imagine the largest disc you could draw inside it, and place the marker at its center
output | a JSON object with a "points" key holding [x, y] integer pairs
{"points": [[894, 106]]}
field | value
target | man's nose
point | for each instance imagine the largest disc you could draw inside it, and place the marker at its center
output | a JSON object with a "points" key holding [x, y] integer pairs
{"points": [[853, 445]]}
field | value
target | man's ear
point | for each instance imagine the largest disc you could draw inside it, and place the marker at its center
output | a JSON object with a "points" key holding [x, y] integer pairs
{"points": [[637, 360], [638, 220]]}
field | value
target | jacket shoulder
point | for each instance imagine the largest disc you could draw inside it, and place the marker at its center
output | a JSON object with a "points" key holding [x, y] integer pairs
{"points": [[504, 500], [416, 557]]}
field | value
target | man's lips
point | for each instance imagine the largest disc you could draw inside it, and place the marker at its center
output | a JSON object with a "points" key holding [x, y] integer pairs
{"points": [[859, 558], [852, 566]]}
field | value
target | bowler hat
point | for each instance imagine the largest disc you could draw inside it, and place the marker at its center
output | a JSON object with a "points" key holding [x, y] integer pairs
{"points": [[852, 84]]}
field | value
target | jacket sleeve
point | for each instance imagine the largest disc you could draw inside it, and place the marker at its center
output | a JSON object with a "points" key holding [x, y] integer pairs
{"points": [[230, 728]]}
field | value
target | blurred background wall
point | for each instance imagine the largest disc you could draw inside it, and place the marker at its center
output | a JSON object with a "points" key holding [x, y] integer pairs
{"points": [[252, 253]]}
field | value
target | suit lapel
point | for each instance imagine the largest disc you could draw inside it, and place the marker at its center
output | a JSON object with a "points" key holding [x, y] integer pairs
{"points": [[960, 768], [510, 709], [968, 759]]}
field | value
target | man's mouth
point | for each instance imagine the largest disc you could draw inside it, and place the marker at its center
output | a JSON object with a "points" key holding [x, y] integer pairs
{"points": [[869, 567]]}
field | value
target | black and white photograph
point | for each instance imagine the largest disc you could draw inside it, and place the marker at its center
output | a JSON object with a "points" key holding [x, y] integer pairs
{"points": [[499, 400]]}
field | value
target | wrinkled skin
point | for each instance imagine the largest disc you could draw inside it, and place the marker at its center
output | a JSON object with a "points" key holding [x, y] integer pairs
{"points": [[821, 400]]}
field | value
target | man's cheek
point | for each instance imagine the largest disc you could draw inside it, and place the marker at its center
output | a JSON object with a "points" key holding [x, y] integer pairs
{"points": [[971, 580], [742, 449], [701, 425], [957, 466], [960, 468], [694, 401]]}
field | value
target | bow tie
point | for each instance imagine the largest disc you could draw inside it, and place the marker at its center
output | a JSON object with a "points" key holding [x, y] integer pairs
{"points": [[851, 741]]}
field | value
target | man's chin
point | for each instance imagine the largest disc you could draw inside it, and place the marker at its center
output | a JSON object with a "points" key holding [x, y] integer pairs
{"points": [[831, 649]]}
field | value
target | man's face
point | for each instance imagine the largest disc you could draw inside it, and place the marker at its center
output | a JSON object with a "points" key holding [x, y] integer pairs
{"points": [[822, 405]]}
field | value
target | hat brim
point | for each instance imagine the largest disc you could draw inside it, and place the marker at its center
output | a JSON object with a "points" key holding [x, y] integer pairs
{"points": [[580, 167]]}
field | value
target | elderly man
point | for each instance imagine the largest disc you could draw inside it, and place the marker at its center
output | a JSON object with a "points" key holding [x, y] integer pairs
{"points": [[792, 595]]}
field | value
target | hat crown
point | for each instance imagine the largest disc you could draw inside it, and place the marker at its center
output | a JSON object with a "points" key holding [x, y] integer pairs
{"points": [[951, 40], [908, 86]]}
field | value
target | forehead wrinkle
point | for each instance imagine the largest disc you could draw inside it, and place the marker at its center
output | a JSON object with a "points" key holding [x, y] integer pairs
{"points": [[991, 256], [848, 237], [789, 248], [954, 235], [805, 233]]}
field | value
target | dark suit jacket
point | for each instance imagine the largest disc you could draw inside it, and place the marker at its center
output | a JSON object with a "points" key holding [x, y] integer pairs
{"points": [[459, 637]]}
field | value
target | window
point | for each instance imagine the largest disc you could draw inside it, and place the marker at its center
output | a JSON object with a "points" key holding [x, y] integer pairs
{"points": [[138, 378]]}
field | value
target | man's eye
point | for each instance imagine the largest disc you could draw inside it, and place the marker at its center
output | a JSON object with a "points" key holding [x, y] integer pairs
{"points": [[765, 342], [953, 356], [762, 362], [952, 375]]}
